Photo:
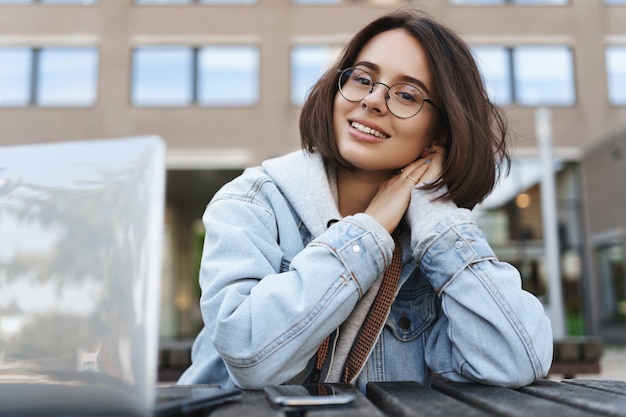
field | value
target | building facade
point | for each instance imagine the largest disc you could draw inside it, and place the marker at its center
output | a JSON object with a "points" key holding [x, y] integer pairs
{"points": [[223, 82]]}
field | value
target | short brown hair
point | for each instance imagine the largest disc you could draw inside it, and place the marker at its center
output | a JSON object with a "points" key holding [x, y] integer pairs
{"points": [[476, 129]]}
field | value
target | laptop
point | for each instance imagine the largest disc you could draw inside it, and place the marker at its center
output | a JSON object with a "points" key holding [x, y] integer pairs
{"points": [[81, 240]]}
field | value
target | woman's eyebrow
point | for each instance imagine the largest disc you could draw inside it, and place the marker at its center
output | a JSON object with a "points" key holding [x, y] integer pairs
{"points": [[405, 78]]}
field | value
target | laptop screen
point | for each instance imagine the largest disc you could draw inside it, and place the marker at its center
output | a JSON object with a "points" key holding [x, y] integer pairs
{"points": [[81, 231]]}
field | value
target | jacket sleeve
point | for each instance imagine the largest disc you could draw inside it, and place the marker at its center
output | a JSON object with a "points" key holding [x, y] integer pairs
{"points": [[491, 331], [268, 303]]}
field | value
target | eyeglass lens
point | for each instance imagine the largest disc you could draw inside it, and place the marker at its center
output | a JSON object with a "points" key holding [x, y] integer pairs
{"points": [[403, 100]]}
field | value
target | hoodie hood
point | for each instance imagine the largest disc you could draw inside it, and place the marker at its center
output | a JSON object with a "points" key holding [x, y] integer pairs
{"points": [[303, 180]]}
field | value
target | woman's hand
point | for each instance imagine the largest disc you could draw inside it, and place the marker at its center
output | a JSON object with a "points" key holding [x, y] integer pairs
{"points": [[393, 197]]}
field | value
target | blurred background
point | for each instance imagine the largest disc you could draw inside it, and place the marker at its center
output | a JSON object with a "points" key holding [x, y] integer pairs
{"points": [[223, 81]]}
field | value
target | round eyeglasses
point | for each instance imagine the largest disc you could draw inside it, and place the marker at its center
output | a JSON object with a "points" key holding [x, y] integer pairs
{"points": [[403, 100]]}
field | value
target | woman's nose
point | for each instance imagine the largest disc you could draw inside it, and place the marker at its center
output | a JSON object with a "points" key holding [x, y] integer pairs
{"points": [[377, 99]]}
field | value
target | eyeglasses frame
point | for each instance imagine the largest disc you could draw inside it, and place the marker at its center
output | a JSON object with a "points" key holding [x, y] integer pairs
{"points": [[387, 97]]}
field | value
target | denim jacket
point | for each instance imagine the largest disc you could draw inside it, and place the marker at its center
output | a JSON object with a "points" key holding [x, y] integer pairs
{"points": [[277, 279]]}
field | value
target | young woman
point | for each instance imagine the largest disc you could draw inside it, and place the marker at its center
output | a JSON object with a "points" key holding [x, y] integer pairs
{"points": [[400, 142]]}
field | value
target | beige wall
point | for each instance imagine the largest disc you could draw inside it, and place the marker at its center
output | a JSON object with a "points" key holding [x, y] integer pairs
{"points": [[270, 128]]}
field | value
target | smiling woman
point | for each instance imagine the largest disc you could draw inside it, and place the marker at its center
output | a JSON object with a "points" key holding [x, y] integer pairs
{"points": [[330, 264]]}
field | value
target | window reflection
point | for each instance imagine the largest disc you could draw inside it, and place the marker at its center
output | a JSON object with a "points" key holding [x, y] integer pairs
{"points": [[457, 2], [68, 1], [495, 67], [162, 76], [51, 76], [478, 2], [227, 1], [163, 1], [616, 74], [317, 1], [142, 2], [519, 2], [528, 75], [308, 63], [67, 77], [544, 75], [228, 76], [208, 76], [15, 76], [48, 1]]}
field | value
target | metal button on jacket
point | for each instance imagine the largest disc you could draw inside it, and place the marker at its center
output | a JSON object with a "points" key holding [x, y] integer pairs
{"points": [[404, 323]]}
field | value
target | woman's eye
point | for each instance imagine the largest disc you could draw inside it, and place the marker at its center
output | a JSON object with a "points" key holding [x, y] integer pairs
{"points": [[406, 97], [406, 94], [363, 81]]}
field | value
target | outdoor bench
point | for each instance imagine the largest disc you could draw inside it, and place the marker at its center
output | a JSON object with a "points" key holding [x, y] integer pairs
{"points": [[577, 355]]}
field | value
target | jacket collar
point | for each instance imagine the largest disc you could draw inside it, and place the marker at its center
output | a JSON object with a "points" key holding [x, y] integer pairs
{"points": [[303, 180]]}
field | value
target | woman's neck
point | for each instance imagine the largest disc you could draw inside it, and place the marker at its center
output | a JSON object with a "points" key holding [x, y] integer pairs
{"points": [[356, 189]]}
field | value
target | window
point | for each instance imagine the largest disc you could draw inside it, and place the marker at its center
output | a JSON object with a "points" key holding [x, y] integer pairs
{"points": [[162, 76], [613, 282], [163, 1], [228, 76], [317, 1], [544, 75], [528, 75], [15, 76], [51, 76], [142, 2], [517, 2], [495, 66], [208, 76], [308, 63], [48, 1], [478, 2], [67, 77], [616, 74]]}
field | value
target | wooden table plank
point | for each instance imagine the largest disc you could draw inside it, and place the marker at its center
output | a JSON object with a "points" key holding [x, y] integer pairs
{"points": [[251, 403], [361, 407], [255, 403], [507, 402], [410, 399], [593, 400], [609, 385]]}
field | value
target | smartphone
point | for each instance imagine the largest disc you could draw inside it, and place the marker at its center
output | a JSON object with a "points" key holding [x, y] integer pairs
{"points": [[307, 396]]}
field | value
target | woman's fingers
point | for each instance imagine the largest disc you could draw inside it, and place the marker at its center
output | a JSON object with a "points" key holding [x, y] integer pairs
{"points": [[392, 199], [428, 168], [415, 172]]}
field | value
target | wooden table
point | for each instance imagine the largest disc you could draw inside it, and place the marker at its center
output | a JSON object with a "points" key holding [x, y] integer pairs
{"points": [[568, 398]]}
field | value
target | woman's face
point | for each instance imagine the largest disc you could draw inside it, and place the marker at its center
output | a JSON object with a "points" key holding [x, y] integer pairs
{"points": [[390, 57]]}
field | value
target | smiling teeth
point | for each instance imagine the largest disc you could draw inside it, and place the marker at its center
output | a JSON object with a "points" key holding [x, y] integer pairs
{"points": [[370, 131]]}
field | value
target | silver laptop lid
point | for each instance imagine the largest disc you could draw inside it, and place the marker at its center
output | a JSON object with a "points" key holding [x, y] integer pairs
{"points": [[81, 230]]}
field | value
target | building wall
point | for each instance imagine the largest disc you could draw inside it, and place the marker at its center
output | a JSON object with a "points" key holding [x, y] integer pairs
{"points": [[270, 128], [209, 140]]}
